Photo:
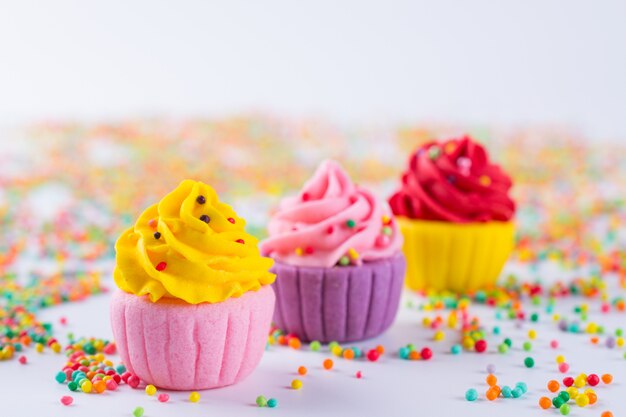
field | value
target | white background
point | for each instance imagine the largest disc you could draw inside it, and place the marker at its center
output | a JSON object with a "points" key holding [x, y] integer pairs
{"points": [[510, 63]]}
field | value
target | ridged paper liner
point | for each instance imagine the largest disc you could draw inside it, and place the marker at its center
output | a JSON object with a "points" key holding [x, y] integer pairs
{"points": [[454, 256], [342, 303], [180, 346]]}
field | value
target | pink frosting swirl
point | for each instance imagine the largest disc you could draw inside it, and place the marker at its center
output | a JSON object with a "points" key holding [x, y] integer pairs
{"points": [[331, 221]]}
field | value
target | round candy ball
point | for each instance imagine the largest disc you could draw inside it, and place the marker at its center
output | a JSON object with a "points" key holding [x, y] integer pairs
{"points": [[471, 394], [480, 346]]}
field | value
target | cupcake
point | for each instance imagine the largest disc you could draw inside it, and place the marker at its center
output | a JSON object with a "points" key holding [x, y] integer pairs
{"points": [[194, 304], [338, 260], [455, 213]]}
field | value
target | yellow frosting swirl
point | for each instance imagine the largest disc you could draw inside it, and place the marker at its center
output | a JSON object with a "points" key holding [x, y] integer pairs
{"points": [[172, 252]]}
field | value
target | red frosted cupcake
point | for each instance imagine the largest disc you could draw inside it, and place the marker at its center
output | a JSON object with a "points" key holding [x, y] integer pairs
{"points": [[455, 213]]}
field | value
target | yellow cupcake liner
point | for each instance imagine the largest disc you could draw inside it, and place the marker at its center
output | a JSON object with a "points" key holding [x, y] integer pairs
{"points": [[459, 257]]}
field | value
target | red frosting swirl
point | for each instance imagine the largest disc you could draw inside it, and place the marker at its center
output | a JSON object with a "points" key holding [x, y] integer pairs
{"points": [[453, 181]]}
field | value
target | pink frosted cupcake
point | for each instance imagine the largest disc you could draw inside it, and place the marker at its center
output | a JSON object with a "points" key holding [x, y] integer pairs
{"points": [[195, 302], [338, 259]]}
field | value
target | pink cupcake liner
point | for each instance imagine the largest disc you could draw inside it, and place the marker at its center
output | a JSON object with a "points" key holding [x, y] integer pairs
{"points": [[179, 346], [342, 304]]}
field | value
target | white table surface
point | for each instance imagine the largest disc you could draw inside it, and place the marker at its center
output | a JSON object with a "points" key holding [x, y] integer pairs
{"points": [[389, 387]]}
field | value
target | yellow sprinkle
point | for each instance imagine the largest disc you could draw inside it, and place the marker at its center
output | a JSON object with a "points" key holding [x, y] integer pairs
{"points": [[296, 384], [86, 386], [194, 397], [573, 392], [468, 342], [484, 180], [560, 359], [386, 219], [580, 382], [299, 251], [39, 347], [532, 334], [439, 335], [150, 389], [353, 254]]}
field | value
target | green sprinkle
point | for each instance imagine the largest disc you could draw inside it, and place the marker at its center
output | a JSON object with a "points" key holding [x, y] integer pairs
{"points": [[529, 362], [527, 346], [387, 230], [261, 401], [503, 348], [564, 409], [508, 342], [138, 411], [350, 223], [72, 385], [557, 402], [434, 152], [315, 346], [344, 260]]}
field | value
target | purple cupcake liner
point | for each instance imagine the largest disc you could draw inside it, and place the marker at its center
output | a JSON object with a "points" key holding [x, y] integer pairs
{"points": [[342, 303]]}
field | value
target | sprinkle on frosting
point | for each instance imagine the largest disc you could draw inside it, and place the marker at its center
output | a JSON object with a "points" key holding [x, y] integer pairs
{"points": [[460, 185], [195, 260], [331, 222]]}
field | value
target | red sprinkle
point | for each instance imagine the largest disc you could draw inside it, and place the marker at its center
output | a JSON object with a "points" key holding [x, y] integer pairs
{"points": [[109, 349], [163, 398], [23, 360], [568, 381], [373, 355], [305, 196], [426, 353], [593, 380], [359, 375], [330, 230], [308, 250], [230, 219], [133, 381], [240, 241], [161, 266], [66, 400], [480, 346]]}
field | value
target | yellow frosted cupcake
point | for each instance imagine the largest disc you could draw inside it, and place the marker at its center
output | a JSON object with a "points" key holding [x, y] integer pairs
{"points": [[455, 212], [194, 304]]}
